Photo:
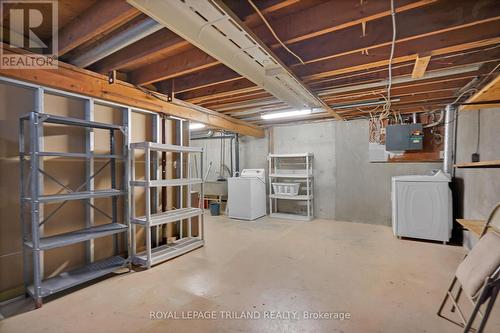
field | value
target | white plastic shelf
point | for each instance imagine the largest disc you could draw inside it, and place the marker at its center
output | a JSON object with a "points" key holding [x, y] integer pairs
{"points": [[166, 182], [166, 147], [290, 175], [291, 197], [292, 216], [286, 169], [169, 216], [168, 251]]}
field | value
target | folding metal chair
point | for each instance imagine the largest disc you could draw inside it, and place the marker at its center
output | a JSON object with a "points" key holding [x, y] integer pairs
{"points": [[478, 277]]}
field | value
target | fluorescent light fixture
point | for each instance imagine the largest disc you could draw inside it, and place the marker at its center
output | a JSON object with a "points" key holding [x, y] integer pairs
{"points": [[195, 126], [286, 114]]}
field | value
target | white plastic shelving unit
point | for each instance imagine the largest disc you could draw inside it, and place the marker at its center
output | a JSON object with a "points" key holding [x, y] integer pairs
{"points": [[154, 255], [290, 168]]}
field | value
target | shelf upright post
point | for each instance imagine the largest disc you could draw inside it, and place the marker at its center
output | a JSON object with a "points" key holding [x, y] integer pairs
{"points": [[201, 203], [148, 204], [133, 245], [156, 173], [307, 187], [22, 195], [181, 175], [89, 171], [189, 204], [114, 200], [126, 122], [35, 209], [270, 185]]}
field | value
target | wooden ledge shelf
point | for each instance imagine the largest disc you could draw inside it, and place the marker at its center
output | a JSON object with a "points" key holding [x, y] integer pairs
{"points": [[482, 164], [474, 226]]}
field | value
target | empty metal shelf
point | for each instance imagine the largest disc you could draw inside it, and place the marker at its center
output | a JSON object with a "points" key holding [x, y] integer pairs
{"points": [[80, 275], [168, 251], [170, 216], [166, 182], [77, 122], [78, 195], [77, 236], [165, 147]]}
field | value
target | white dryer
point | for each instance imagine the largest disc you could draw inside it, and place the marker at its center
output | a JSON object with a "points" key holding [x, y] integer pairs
{"points": [[422, 206], [247, 195]]}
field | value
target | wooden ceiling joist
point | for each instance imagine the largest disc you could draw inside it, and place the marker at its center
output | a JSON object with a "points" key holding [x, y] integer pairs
{"points": [[318, 20], [450, 42], [440, 18], [99, 18], [185, 63], [159, 44]]}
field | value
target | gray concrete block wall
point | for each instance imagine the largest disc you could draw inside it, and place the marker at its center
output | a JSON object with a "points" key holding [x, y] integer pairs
{"points": [[480, 187], [363, 191], [350, 188]]}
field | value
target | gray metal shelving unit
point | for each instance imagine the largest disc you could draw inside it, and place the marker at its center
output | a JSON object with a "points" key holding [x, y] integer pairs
{"points": [[154, 255], [292, 168], [33, 199]]}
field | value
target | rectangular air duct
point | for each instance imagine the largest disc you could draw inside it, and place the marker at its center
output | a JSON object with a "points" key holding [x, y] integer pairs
{"points": [[213, 28]]}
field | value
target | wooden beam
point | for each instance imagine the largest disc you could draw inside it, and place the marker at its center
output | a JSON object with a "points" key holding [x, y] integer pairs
{"points": [[489, 92], [205, 78], [420, 67], [348, 41], [157, 46], [76, 80], [469, 57], [318, 20], [451, 42], [218, 91], [427, 21], [184, 63], [153, 47], [312, 22], [101, 17]]}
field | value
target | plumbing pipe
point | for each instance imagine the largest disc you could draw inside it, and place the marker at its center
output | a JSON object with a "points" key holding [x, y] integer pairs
{"points": [[449, 139]]}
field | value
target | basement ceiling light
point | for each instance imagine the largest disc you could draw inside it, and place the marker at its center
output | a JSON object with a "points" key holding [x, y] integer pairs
{"points": [[195, 126], [287, 114]]}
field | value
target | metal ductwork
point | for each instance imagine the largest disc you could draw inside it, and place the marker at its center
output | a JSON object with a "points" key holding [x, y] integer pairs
{"points": [[117, 42], [449, 139], [213, 28]]}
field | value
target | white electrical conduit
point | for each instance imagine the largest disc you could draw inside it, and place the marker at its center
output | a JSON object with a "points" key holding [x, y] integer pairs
{"points": [[273, 32]]}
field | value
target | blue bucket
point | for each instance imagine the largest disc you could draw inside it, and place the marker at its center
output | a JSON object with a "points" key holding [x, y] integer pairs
{"points": [[215, 209]]}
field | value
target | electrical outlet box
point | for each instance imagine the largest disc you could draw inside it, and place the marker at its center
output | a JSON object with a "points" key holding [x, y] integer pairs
{"points": [[404, 137]]}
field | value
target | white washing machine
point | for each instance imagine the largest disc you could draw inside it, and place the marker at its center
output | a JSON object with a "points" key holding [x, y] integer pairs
{"points": [[247, 195], [422, 206]]}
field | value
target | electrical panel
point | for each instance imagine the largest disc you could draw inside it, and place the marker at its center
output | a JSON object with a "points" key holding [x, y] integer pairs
{"points": [[404, 137]]}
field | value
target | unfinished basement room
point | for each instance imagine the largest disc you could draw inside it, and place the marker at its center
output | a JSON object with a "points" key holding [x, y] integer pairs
{"points": [[250, 166]]}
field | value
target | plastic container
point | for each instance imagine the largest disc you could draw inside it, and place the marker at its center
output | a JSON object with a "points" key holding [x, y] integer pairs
{"points": [[215, 209], [290, 189]]}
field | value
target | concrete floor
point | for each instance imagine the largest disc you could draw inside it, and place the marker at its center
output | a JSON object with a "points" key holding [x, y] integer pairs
{"points": [[385, 284]]}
